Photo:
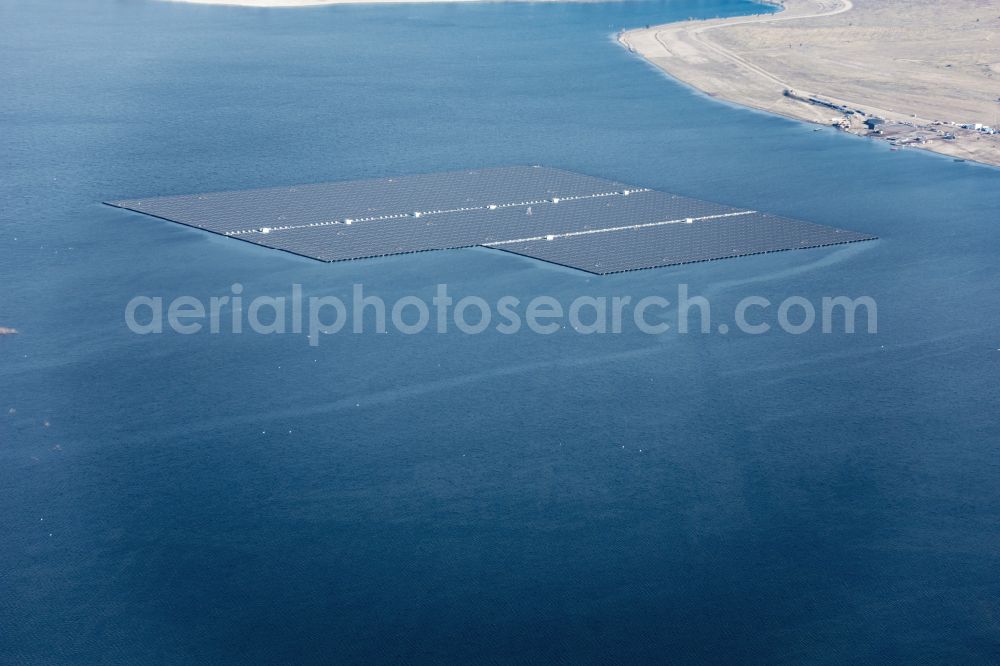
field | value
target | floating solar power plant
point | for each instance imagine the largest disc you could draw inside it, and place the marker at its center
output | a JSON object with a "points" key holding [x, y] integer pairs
{"points": [[589, 223], [364, 200], [680, 242], [478, 227]]}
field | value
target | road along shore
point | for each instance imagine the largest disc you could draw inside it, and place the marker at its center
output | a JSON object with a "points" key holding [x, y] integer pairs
{"points": [[915, 73]]}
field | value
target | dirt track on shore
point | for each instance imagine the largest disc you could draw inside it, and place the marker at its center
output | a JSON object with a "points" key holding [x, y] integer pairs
{"points": [[912, 62]]}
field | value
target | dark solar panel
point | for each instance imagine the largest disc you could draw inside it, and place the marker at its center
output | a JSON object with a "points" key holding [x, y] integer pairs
{"points": [[670, 244], [480, 227], [226, 212], [588, 223]]}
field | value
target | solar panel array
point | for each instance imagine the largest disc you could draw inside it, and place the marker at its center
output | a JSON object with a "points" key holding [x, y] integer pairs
{"points": [[635, 248], [595, 225], [323, 203]]}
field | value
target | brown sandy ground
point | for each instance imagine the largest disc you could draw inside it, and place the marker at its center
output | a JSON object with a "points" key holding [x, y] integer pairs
{"points": [[926, 67]]}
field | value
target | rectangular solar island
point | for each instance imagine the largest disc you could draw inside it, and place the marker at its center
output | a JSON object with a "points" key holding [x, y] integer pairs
{"points": [[594, 225]]}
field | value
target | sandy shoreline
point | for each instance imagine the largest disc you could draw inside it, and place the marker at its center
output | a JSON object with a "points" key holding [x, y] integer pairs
{"points": [[922, 69], [910, 72]]}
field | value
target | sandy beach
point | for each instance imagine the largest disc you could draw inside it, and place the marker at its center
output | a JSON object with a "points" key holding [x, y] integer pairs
{"points": [[924, 68], [915, 73]]}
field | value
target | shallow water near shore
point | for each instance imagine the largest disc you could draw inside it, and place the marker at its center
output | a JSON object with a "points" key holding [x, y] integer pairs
{"points": [[383, 497]]}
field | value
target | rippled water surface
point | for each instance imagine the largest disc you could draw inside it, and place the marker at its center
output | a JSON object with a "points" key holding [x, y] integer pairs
{"points": [[233, 498]]}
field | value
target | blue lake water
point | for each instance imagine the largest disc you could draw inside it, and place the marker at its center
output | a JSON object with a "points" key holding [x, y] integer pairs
{"points": [[231, 498]]}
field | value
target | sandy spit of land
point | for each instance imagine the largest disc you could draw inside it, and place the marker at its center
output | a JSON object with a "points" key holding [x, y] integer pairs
{"points": [[924, 66]]}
